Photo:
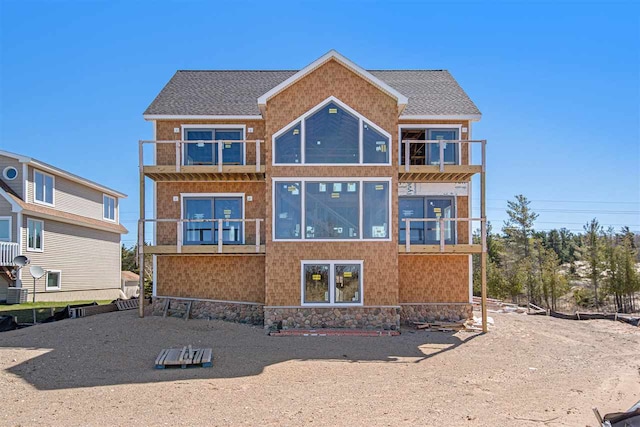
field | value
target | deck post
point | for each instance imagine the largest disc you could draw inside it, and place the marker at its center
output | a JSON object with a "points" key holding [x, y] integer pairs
{"points": [[258, 155], [441, 221], [178, 160], [220, 236], [179, 237], [141, 231], [406, 156], [220, 156], [483, 227], [257, 235], [441, 148], [407, 230]]}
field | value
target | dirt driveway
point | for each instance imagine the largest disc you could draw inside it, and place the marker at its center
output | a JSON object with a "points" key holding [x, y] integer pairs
{"points": [[529, 370]]}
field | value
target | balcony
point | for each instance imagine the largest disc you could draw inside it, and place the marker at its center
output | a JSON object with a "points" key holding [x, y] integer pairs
{"points": [[440, 160], [202, 236], [439, 236], [206, 160], [8, 251]]}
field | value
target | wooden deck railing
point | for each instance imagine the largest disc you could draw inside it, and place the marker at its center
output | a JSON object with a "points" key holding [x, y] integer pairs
{"points": [[406, 159], [220, 230], [441, 237], [8, 251], [220, 147]]}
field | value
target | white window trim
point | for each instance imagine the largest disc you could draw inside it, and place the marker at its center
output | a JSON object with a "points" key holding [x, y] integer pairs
{"points": [[303, 191], [212, 196], [10, 239], [4, 173], [115, 208], [53, 189], [361, 120], [332, 271], [46, 281], [426, 197], [458, 127], [41, 238], [213, 126]]}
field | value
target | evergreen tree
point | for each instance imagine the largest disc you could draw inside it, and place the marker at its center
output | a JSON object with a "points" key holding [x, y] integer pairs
{"points": [[593, 254]]}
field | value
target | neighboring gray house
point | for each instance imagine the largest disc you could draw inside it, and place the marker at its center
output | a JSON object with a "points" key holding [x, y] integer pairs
{"points": [[66, 224]]}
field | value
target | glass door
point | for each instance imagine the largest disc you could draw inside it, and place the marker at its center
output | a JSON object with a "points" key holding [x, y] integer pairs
{"points": [[439, 208], [198, 232], [411, 207], [232, 153], [198, 153], [228, 208], [450, 149]]}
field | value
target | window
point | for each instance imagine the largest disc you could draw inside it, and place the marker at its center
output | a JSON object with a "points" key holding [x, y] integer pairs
{"points": [[202, 227], [10, 173], [331, 282], [109, 207], [344, 209], [53, 280], [200, 152], [426, 232], [288, 205], [429, 153], [5, 228], [332, 133], [35, 235], [43, 187]]}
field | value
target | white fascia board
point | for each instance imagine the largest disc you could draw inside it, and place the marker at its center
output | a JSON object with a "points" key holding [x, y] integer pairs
{"points": [[333, 54], [472, 117], [200, 117]]}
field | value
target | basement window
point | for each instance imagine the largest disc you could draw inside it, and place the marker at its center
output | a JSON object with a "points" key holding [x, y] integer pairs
{"points": [[335, 282], [53, 280]]}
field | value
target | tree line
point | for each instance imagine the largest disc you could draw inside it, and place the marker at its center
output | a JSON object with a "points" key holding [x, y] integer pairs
{"points": [[529, 266]]}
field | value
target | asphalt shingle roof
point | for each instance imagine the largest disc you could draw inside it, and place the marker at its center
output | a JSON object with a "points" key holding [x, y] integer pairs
{"points": [[228, 92]]}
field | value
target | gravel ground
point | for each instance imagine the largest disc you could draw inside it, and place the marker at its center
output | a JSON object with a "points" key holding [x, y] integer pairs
{"points": [[529, 370]]}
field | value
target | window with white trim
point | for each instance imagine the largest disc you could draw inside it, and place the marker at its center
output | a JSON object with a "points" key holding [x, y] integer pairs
{"points": [[331, 133], [35, 235], [428, 153], [5, 228], [108, 207], [331, 209], [202, 146], [43, 187], [53, 280], [331, 282]]}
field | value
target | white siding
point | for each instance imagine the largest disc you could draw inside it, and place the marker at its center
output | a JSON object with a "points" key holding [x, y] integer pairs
{"points": [[89, 259], [69, 196]]}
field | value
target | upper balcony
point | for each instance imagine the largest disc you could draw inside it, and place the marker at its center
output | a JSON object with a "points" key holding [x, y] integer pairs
{"points": [[204, 160], [440, 235], [8, 251], [441, 160]]}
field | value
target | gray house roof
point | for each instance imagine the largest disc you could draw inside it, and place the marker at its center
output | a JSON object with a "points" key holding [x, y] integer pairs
{"points": [[228, 92]]}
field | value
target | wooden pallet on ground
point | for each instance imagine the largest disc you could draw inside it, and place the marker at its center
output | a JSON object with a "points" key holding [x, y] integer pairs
{"points": [[184, 357], [441, 326], [127, 304]]}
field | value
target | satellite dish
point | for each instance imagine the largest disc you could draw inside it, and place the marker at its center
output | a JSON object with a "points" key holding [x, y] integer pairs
{"points": [[21, 260], [36, 272]]}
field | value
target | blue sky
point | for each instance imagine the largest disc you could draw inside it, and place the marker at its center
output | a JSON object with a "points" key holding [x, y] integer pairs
{"points": [[558, 83]]}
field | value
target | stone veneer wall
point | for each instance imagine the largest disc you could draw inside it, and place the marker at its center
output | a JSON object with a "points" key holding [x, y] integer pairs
{"points": [[220, 310], [387, 318], [410, 313]]}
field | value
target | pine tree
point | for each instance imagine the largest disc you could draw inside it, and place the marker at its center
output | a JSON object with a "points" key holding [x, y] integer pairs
{"points": [[593, 254]]}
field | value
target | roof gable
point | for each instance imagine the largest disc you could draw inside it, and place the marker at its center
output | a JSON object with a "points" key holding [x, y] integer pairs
{"points": [[334, 55]]}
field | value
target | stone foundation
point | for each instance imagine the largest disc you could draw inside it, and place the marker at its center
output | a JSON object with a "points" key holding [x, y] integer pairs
{"points": [[410, 313], [387, 318], [220, 310]]}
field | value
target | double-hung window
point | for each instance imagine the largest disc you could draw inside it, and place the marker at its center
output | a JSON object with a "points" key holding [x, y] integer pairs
{"points": [[331, 133], [331, 209], [428, 153], [5, 228], [108, 207], [332, 282], [35, 235], [43, 183], [201, 146]]}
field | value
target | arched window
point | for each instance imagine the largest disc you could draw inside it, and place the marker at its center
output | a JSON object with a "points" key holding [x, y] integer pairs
{"points": [[331, 133]]}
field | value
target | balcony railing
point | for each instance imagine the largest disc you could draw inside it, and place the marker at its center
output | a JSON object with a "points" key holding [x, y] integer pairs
{"points": [[438, 157], [8, 251], [207, 236], [202, 157], [442, 245]]}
